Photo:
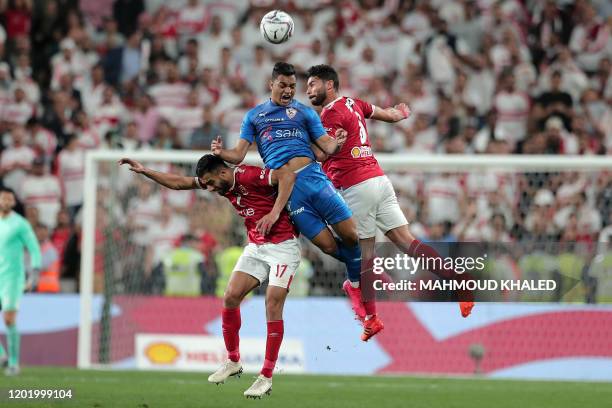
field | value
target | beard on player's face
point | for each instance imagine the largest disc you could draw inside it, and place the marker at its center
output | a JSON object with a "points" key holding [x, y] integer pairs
{"points": [[318, 98], [223, 187]]}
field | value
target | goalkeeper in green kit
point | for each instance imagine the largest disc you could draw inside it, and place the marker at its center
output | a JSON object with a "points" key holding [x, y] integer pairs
{"points": [[15, 235]]}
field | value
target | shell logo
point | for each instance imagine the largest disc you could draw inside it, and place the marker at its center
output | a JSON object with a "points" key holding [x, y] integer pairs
{"points": [[355, 152], [162, 353]]}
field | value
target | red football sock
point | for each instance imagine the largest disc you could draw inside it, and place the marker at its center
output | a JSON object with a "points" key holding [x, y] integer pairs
{"points": [[419, 249], [273, 343], [231, 326], [370, 307]]}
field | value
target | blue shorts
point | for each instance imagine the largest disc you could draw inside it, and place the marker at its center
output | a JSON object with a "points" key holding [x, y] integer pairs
{"points": [[315, 203]]}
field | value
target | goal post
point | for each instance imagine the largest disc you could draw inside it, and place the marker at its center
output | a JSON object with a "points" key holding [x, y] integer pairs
{"points": [[390, 162]]}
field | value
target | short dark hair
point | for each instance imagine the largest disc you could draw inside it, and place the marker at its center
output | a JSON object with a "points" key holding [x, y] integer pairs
{"points": [[208, 164], [325, 73], [4, 189], [282, 68]]}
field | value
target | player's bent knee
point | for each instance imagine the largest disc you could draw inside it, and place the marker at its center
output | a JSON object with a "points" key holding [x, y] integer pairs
{"points": [[232, 298], [352, 239], [348, 233], [328, 248], [274, 308], [275, 300]]}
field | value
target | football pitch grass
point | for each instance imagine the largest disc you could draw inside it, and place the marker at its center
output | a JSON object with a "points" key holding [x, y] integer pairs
{"points": [[145, 389]]}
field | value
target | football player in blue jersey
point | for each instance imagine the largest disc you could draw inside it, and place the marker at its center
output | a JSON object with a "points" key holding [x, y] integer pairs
{"points": [[284, 130]]}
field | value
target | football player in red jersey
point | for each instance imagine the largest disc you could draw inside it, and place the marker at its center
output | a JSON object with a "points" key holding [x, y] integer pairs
{"points": [[273, 251], [363, 184]]}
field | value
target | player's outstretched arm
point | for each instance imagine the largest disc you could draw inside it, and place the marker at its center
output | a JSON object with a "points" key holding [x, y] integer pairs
{"points": [[173, 181], [330, 145], [391, 115], [235, 155], [285, 179]]}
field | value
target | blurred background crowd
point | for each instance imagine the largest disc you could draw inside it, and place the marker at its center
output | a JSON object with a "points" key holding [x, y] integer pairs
{"points": [[485, 76]]}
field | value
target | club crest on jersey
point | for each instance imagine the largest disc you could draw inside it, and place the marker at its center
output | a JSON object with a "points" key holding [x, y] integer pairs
{"points": [[242, 190], [291, 112], [361, 151]]}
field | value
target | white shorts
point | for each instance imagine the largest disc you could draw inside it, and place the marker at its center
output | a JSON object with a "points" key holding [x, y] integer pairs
{"points": [[374, 204], [276, 262]]}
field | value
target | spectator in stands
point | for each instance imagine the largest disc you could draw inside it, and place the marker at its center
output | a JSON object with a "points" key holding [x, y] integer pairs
{"points": [[192, 19], [512, 109], [49, 277], [44, 141], [125, 13], [202, 137], [164, 233], [43, 191], [183, 269], [539, 223], [16, 160], [19, 110], [555, 101], [71, 172], [171, 92], [146, 115]]}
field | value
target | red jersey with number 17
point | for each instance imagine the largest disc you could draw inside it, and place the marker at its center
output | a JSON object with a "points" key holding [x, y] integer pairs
{"points": [[253, 196], [354, 162]]}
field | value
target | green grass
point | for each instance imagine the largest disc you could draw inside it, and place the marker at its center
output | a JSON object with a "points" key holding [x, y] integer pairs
{"points": [[140, 389]]}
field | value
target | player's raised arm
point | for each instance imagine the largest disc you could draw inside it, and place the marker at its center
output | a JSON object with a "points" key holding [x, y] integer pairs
{"points": [[285, 179], [173, 181], [235, 155], [391, 115]]}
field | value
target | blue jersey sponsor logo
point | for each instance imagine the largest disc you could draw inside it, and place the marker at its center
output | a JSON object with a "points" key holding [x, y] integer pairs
{"points": [[285, 133]]}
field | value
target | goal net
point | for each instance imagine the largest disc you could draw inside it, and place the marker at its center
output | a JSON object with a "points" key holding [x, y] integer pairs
{"points": [[149, 254]]}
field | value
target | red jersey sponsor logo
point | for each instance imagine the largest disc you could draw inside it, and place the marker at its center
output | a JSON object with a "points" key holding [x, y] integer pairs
{"points": [[361, 151]]}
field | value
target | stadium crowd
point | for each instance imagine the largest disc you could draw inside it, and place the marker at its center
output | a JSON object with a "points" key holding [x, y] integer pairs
{"points": [[486, 76]]}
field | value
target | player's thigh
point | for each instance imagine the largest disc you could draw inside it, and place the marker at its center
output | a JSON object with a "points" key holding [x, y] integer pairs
{"points": [[362, 199], [347, 231], [303, 216], [11, 291], [306, 219], [240, 284], [389, 214], [321, 196], [283, 260], [249, 272], [326, 242]]}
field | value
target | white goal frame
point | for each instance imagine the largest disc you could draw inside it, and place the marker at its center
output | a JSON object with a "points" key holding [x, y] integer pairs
{"points": [[421, 163]]}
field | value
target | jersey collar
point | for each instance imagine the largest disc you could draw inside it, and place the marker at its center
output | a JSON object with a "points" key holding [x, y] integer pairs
{"points": [[329, 105], [234, 177], [271, 102]]}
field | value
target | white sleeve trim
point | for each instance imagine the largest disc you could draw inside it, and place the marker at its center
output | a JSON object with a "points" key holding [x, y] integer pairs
{"points": [[197, 180], [373, 110], [270, 177]]}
